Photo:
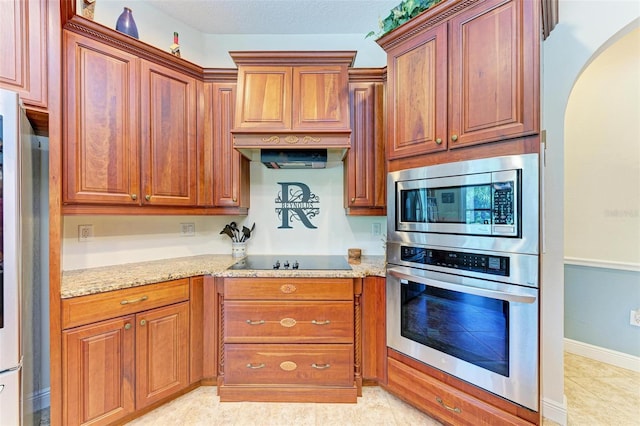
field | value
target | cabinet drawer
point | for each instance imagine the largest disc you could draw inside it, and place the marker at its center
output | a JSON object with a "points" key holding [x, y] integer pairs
{"points": [[294, 322], [288, 288], [443, 401], [88, 309], [324, 365]]}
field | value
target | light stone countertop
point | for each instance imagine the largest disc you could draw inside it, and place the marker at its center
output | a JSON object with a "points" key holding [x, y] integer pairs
{"points": [[82, 282]]}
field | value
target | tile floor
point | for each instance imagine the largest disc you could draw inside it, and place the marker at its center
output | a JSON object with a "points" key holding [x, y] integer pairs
{"points": [[598, 394]]}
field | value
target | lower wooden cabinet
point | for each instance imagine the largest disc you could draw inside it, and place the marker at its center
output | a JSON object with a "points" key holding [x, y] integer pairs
{"points": [[114, 367], [289, 339], [446, 400]]}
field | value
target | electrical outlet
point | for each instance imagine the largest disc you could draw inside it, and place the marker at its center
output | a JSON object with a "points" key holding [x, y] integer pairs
{"points": [[85, 233], [376, 229], [634, 318], [188, 229]]}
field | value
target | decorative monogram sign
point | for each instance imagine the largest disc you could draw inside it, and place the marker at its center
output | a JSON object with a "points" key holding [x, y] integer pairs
{"points": [[296, 203]]}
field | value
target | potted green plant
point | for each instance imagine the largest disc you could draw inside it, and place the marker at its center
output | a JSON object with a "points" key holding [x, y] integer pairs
{"points": [[403, 12]]}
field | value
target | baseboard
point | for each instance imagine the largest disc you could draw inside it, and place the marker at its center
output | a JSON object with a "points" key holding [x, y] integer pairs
{"points": [[619, 359], [38, 400], [553, 411]]}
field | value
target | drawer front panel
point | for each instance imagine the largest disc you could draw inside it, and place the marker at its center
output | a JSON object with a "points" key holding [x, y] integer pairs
{"points": [[320, 365], [288, 288], [96, 307], [443, 401], [293, 322]]}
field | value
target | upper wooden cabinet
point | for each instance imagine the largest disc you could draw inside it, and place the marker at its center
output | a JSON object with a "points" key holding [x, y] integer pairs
{"points": [[466, 72], [224, 177], [129, 128], [101, 129], [23, 35], [168, 136], [364, 166], [292, 96]]}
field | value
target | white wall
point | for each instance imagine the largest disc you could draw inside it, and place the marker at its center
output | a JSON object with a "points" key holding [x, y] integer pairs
{"points": [[126, 239], [212, 50], [602, 159], [585, 26]]}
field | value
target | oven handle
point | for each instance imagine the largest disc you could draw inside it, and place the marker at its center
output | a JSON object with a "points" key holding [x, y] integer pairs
{"points": [[494, 294]]}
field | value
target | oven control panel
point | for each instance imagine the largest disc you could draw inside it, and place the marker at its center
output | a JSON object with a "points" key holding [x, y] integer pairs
{"points": [[486, 264]]}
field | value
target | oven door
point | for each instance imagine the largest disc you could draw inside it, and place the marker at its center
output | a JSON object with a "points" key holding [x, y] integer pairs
{"points": [[483, 332]]}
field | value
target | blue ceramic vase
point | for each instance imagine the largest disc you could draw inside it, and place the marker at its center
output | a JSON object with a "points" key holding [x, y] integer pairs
{"points": [[126, 24]]}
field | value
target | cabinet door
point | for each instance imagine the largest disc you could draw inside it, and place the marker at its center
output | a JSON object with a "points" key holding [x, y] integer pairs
{"points": [[101, 125], [365, 165], [98, 372], [230, 168], [162, 351], [417, 94], [494, 64], [320, 98], [24, 49], [168, 114], [264, 98]]}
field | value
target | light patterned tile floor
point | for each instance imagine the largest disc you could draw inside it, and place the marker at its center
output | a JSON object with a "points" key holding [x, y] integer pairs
{"points": [[597, 394]]}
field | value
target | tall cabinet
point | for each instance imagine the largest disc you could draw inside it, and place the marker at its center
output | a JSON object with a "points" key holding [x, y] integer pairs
{"points": [[463, 83]]}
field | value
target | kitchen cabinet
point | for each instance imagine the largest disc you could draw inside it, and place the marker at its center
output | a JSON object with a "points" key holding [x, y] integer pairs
{"points": [[289, 339], [463, 74], [129, 128], [446, 401], [168, 136], [374, 327], [293, 98], [123, 350], [364, 167], [101, 162], [24, 50], [225, 172]]}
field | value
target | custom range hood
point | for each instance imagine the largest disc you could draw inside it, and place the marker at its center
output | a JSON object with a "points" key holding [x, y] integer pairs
{"points": [[294, 105]]}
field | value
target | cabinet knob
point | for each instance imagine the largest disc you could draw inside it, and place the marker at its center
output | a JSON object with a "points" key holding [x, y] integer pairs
{"points": [[439, 141], [134, 196], [454, 138], [353, 200], [127, 326], [147, 197], [234, 199], [143, 322]]}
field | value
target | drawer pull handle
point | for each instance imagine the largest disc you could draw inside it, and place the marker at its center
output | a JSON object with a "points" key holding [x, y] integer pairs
{"points": [[128, 302], [288, 288], [288, 365], [260, 322], [454, 409], [320, 366], [316, 322], [257, 366], [287, 322]]}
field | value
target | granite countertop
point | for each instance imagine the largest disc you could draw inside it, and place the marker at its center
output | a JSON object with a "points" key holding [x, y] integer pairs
{"points": [[82, 282]]}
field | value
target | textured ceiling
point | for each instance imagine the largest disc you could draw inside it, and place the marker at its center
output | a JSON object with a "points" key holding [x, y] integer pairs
{"points": [[278, 16]]}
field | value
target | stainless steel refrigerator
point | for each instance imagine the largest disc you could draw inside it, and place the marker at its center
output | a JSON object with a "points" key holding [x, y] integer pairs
{"points": [[23, 309]]}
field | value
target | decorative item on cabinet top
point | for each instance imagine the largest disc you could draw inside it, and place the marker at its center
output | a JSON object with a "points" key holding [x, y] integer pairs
{"points": [[126, 24], [403, 12]]}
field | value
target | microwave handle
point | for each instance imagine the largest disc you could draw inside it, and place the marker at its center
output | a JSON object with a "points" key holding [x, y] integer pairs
{"points": [[494, 294]]}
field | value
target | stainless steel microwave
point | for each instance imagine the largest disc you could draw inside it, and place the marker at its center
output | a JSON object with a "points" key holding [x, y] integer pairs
{"points": [[476, 203]]}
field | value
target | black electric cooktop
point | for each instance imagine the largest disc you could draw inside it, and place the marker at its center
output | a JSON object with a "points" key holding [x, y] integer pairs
{"points": [[292, 262]]}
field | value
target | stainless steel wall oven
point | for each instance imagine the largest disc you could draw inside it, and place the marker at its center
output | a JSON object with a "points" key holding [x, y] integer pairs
{"points": [[463, 271]]}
